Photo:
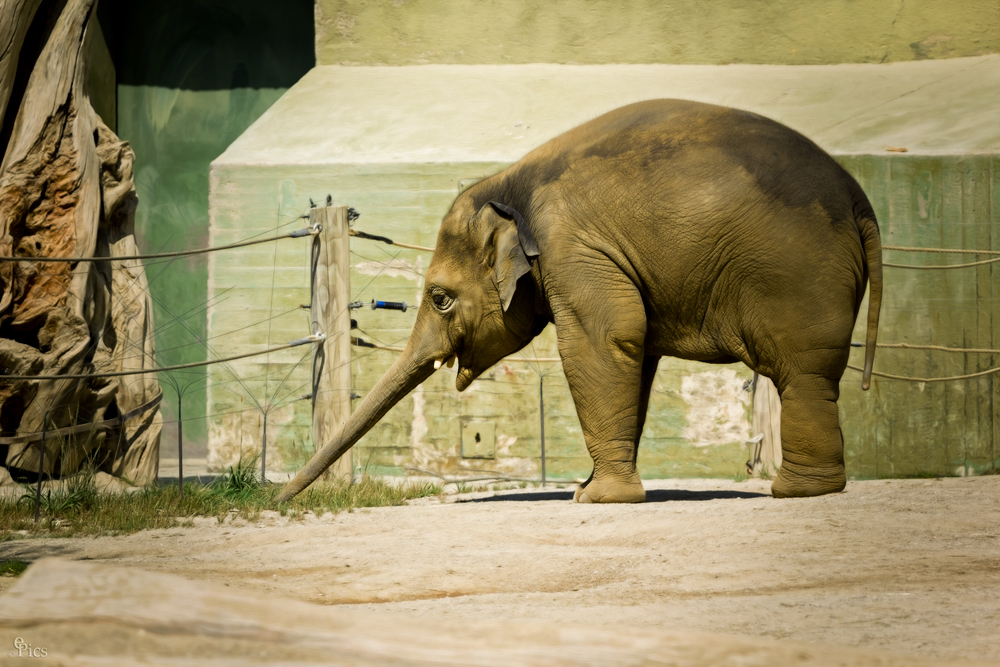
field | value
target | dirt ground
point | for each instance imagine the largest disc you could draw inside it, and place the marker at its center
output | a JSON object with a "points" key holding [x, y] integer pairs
{"points": [[908, 566]]}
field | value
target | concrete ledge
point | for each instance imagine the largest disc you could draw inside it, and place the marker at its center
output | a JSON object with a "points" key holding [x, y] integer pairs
{"points": [[497, 113]]}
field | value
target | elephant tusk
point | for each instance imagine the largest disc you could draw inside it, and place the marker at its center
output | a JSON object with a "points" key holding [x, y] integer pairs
{"points": [[450, 361]]}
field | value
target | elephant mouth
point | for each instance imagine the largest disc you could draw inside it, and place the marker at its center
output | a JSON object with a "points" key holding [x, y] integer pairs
{"points": [[468, 370], [466, 374], [465, 378], [447, 361]]}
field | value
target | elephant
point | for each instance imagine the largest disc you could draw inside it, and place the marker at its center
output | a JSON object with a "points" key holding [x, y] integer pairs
{"points": [[662, 228]]}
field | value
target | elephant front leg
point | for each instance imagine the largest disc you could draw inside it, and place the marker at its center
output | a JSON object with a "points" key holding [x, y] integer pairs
{"points": [[604, 367]]}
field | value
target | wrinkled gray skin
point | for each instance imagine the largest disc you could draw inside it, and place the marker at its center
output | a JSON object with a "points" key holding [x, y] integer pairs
{"points": [[664, 228]]}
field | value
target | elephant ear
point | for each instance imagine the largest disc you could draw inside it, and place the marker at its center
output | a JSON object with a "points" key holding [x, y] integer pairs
{"points": [[515, 247]]}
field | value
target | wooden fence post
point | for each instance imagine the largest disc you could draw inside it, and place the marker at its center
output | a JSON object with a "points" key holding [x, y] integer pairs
{"points": [[331, 381], [766, 422]]}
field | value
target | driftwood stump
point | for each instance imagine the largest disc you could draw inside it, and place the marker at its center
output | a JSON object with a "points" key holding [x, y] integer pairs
{"points": [[66, 190]]}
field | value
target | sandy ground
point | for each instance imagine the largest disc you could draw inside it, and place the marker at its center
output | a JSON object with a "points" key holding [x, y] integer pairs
{"points": [[909, 566]]}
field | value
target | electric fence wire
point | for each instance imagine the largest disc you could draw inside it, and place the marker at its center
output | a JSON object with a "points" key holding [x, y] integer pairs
{"points": [[163, 255], [171, 256], [534, 362], [145, 291]]}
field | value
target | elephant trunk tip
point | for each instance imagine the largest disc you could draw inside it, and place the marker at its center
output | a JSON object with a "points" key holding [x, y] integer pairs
{"points": [[286, 494]]}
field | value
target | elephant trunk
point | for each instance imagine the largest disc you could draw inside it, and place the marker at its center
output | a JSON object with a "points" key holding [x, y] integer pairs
{"points": [[404, 375]]}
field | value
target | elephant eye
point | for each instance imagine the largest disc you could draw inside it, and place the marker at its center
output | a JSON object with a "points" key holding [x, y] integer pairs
{"points": [[441, 300]]}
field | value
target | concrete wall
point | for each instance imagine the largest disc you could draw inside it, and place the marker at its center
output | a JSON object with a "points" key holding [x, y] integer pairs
{"points": [[698, 414], [790, 32], [191, 77], [398, 143], [917, 429], [101, 80]]}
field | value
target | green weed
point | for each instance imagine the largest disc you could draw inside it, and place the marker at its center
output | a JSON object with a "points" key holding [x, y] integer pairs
{"points": [[240, 481], [12, 568], [237, 494]]}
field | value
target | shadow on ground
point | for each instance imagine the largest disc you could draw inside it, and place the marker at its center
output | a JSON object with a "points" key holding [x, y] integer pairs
{"points": [[204, 480], [667, 495], [653, 496]]}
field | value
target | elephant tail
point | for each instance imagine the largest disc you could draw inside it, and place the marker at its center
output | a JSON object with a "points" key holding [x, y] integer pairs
{"points": [[872, 241]]}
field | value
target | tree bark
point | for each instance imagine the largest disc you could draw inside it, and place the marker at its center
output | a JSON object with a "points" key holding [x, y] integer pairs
{"points": [[15, 19], [66, 190]]}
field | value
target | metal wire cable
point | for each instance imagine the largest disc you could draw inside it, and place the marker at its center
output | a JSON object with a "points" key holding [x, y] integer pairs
{"points": [[194, 364], [938, 348], [915, 379], [385, 239], [964, 251], [299, 233], [904, 346], [943, 266], [103, 425]]}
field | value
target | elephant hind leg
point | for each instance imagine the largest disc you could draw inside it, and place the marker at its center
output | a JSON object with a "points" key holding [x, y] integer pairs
{"points": [[649, 364], [812, 445]]}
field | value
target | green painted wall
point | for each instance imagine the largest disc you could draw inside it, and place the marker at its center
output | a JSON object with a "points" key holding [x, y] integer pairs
{"points": [[175, 134], [790, 32], [192, 76], [697, 426], [101, 82], [397, 143], [914, 429], [697, 417]]}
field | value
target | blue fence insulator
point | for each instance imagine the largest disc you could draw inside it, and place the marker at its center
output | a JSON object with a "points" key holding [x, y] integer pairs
{"points": [[389, 305]]}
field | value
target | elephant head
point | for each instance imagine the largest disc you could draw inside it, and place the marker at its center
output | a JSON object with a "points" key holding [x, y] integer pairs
{"points": [[475, 308]]}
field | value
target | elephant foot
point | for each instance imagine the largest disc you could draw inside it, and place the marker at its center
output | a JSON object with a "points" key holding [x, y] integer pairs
{"points": [[806, 483], [610, 491]]}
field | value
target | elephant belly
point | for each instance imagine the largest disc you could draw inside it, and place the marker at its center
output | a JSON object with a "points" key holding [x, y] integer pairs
{"points": [[772, 287], [689, 343]]}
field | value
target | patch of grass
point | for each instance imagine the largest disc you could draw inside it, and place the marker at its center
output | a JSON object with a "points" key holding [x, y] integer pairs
{"points": [[240, 481], [59, 503], [12, 568], [503, 487], [368, 492], [236, 494]]}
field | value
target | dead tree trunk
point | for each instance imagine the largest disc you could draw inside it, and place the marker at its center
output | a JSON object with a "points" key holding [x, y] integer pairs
{"points": [[66, 191]]}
